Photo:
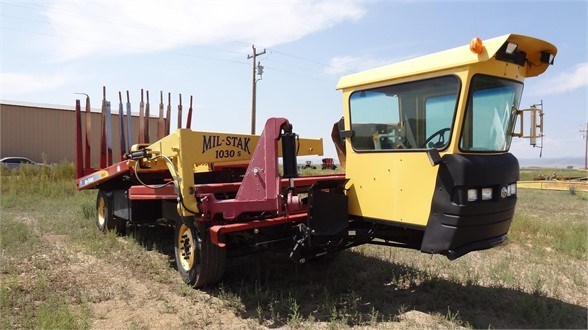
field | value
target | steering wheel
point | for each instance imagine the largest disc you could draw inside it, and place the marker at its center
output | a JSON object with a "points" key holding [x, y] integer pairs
{"points": [[396, 138], [440, 142]]}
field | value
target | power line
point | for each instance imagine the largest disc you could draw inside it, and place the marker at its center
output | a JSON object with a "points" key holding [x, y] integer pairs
{"points": [[106, 34], [140, 27], [145, 27], [165, 52], [291, 65], [298, 57], [128, 46], [125, 23], [301, 75]]}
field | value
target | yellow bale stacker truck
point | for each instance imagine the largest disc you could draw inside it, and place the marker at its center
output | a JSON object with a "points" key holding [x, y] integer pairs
{"points": [[424, 144]]}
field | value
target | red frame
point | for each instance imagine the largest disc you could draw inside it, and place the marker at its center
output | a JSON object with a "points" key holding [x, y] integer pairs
{"points": [[217, 231]]}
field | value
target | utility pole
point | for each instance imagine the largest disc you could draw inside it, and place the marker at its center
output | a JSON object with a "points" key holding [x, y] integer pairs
{"points": [[258, 70], [585, 136]]}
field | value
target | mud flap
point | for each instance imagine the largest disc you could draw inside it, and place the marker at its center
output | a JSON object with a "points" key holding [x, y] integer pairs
{"points": [[327, 208]]}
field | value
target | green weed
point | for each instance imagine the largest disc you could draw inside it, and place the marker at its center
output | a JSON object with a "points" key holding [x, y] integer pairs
{"points": [[452, 319], [60, 314], [551, 220], [88, 209], [294, 317], [229, 299], [14, 235]]}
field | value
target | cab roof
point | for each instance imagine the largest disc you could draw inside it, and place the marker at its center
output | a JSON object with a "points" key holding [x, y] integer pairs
{"points": [[453, 58]]}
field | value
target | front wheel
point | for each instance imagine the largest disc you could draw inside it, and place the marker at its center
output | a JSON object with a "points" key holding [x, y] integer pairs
{"points": [[199, 262]]}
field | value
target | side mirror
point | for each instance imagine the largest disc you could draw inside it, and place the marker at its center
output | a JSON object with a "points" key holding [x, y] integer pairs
{"points": [[535, 117], [434, 157]]}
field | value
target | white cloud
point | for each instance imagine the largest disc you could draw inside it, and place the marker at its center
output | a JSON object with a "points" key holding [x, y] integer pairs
{"points": [[15, 84], [342, 64], [115, 27], [566, 81]]}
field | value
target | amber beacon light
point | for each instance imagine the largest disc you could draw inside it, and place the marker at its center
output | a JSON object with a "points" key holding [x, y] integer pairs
{"points": [[476, 45]]}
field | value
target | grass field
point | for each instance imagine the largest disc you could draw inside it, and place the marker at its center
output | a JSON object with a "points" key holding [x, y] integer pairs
{"points": [[528, 174], [58, 271]]}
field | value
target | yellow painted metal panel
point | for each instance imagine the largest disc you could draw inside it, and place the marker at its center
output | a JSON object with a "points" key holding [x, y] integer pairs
{"points": [[224, 149], [454, 58], [190, 150], [394, 186]]}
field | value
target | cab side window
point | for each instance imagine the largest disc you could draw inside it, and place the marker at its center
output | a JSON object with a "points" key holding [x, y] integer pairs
{"points": [[375, 115], [408, 116]]}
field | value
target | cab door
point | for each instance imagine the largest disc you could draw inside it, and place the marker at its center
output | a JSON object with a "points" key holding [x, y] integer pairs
{"points": [[390, 176]]}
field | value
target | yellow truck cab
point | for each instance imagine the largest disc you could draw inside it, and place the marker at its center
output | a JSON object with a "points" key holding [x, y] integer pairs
{"points": [[425, 142]]}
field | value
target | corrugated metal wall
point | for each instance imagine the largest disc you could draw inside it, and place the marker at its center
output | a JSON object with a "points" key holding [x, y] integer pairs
{"points": [[48, 134]]}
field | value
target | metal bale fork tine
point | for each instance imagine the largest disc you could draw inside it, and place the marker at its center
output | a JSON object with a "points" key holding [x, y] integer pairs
{"points": [[141, 123], [160, 120], [88, 155], [102, 130], [146, 119], [85, 165], [121, 130], [189, 120], [109, 132], [129, 125], [180, 113], [168, 115], [79, 166]]}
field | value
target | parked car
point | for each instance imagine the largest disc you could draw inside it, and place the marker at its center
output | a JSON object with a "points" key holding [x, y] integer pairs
{"points": [[14, 162]]}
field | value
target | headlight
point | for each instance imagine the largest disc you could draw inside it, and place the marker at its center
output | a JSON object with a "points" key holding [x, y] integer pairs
{"points": [[472, 195], [486, 194], [512, 189]]}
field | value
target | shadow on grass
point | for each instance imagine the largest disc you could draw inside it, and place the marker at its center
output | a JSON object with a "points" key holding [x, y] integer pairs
{"points": [[158, 237], [359, 290]]}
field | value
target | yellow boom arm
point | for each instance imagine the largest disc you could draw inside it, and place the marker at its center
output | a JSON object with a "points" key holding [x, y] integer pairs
{"points": [[192, 151]]}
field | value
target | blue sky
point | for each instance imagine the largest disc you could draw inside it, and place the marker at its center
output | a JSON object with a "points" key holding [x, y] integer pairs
{"points": [[52, 49]]}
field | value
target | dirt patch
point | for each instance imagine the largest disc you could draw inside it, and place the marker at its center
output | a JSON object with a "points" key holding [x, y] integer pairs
{"points": [[420, 319], [120, 298], [55, 239]]}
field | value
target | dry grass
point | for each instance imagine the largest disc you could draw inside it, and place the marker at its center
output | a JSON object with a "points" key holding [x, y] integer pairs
{"points": [[57, 271], [528, 174]]}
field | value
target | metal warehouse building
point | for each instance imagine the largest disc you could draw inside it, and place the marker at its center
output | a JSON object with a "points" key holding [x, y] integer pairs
{"points": [[47, 133]]}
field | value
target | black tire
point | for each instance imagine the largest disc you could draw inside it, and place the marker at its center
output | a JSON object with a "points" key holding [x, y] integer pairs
{"points": [[105, 219], [200, 263]]}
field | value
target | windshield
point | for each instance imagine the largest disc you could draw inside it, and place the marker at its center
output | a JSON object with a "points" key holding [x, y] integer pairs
{"points": [[415, 115], [490, 114]]}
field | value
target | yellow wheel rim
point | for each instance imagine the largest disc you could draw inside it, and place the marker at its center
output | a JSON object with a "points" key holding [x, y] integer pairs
{"points": [[101, 212], [186, 247]]}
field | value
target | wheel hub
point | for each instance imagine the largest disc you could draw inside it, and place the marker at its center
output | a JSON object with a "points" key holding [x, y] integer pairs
{"points": [[101, 212], [185, 247]]}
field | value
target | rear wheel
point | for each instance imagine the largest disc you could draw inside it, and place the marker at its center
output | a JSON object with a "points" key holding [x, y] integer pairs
{"points": [[199, 262], [105, 219]]}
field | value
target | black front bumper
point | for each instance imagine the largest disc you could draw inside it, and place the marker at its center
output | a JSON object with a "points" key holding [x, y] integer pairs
{"points": [[456, 226]]}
